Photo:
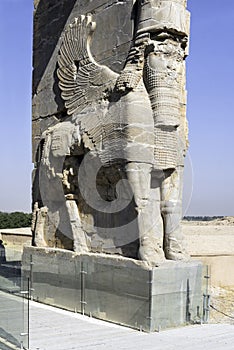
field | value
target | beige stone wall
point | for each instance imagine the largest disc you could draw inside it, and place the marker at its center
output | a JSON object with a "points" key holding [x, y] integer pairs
{"points": [[213, 244], [220, 269]]}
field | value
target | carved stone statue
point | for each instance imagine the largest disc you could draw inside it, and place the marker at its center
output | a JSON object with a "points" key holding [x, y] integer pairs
{"points": [[110, 173]]}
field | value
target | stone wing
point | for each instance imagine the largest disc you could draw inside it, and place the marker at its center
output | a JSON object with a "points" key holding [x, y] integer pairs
{"points": [[81, 79]]}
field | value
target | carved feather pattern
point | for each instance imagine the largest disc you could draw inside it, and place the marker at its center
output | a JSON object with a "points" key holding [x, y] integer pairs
{"points": [[81, 79]]}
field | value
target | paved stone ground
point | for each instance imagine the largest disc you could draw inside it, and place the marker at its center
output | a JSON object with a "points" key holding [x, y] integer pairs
{"points": [[55, 329]]}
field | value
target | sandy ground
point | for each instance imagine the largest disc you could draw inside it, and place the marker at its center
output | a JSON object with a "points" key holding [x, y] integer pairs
{"points": [[209, 237], [214, 237], [222, 305]]}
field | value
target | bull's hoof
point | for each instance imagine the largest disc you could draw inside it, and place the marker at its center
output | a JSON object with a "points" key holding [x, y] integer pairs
{"points": [[177, 255], [153, 256]]}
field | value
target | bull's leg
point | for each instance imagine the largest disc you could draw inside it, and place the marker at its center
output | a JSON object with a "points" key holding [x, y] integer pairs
{"points": [[147, 201], [39, 223], [171, 207], [79, 239]]}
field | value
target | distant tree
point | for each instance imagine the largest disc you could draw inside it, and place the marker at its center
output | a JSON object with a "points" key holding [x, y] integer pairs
{"points": [[15, 220]]}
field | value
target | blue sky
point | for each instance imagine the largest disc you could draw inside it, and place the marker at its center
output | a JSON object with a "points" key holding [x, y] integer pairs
{"points": [[210, 84]]}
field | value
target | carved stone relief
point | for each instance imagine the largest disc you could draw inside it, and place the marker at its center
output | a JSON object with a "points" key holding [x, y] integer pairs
{"points": [[110, 172]]}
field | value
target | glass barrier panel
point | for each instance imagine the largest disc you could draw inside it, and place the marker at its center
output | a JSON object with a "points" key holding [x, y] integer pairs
{"points": [[13, 303]]}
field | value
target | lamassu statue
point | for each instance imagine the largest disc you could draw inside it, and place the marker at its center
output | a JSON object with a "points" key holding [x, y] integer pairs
{"points": [[110, 173]]}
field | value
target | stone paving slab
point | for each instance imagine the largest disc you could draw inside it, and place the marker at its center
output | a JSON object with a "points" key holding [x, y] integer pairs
{"points": [[56, 329]]}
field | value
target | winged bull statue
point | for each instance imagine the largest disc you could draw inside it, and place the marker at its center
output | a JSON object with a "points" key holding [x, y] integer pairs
{"points": [[116, 160]]}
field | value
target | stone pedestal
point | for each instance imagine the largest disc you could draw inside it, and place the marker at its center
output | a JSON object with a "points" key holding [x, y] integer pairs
{"points": [[116, 289]]}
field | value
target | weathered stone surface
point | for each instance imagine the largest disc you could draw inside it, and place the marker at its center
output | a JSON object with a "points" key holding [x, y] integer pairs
{"points": [[108, 46], [169, 15], [116, 289], [109, 126]]}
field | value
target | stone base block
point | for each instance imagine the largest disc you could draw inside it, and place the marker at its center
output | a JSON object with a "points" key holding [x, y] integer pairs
{"points": [[116, 289]]}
